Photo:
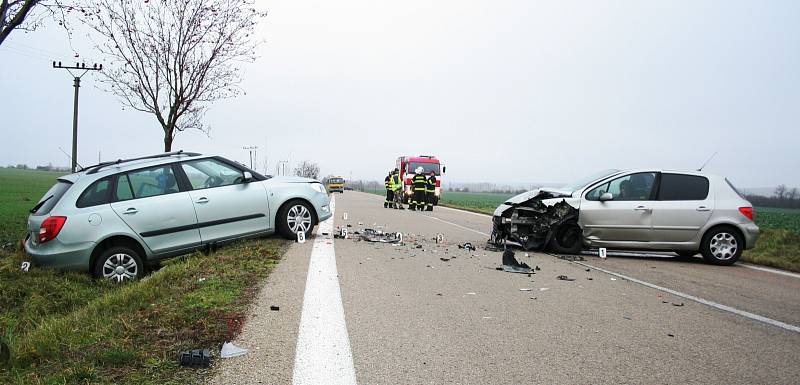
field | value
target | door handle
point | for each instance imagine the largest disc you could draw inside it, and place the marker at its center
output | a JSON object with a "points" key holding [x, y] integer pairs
{"points": [[642, 208], [202, 200], [703, 208], [131, 210]]}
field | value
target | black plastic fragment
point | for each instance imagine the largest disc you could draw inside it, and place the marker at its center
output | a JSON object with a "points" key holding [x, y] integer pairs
{"points": [[274, 308], [196, 358]]}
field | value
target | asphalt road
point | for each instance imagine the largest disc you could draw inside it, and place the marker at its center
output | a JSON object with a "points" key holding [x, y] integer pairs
{"points": [[413, 318]]}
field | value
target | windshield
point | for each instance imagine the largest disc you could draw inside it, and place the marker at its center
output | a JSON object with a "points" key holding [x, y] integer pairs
{"points": [[581, 183], [336, 180], [428, 167]]}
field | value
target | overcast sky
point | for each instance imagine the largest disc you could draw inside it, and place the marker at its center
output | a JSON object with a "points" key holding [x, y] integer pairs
{"points": [[501, 91]]}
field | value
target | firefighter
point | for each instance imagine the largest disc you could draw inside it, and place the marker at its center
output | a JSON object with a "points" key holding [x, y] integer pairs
{"points": [[419, 183], [396, 184], [430, 191], [389, 191]]}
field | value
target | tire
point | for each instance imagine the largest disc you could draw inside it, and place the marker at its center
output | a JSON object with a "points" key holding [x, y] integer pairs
{"points": [[567, 239], [722, 246], [118, 264], [287, 227]]}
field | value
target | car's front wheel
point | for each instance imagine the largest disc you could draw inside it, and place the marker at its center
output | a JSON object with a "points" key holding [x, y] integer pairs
{"points": [[567, 239], [722, 246], [294, 217], [119, 264]]}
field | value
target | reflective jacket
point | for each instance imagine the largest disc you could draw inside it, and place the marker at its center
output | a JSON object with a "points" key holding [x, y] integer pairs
{"points": [[386, 183], [431, 187], [419, 182], [395, 183]]}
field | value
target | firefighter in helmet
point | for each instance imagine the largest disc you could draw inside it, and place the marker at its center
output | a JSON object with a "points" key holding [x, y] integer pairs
{"points": [[419, 183], [430, 191], [389, 191]]}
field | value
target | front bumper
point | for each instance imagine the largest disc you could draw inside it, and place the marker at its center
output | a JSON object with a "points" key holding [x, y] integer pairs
{"points": [[59, 255]]}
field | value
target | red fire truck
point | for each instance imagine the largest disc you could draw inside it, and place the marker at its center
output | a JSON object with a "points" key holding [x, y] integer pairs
{"points": [[407, 166]]}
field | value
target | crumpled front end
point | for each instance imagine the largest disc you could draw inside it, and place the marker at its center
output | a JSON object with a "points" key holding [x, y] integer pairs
{"points": [[532, 222]]}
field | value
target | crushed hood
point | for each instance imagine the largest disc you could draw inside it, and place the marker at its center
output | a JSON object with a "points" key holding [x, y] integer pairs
{"points": [[541, 193]]}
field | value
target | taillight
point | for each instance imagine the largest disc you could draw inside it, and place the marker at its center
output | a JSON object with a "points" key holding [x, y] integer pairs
{"points": [[50, 228], [748, 212]]}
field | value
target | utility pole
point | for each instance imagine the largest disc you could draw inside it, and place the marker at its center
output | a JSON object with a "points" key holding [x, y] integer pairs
{"points": [[77, 85], [251, 148]]}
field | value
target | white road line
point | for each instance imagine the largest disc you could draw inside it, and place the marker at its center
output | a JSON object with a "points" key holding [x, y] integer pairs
{"points": [[323, 354], [456, 225], [773, 271], [690, 297]]}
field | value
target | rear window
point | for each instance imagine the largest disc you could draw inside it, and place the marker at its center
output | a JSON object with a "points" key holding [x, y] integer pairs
{"points": [[678, 187], [98, 193], [50, 198]]}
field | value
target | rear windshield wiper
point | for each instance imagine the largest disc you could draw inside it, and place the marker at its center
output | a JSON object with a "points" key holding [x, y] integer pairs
{"points": [[39, 205]]}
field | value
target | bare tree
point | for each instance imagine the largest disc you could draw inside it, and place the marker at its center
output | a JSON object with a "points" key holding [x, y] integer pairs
{"points": [[172, 58], [792, 194], [307, 169], [780, 191], [27, 15]]}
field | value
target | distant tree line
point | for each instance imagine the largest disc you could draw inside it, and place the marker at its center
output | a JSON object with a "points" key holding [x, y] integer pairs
{"points": [[49, 167], [783, 198]]}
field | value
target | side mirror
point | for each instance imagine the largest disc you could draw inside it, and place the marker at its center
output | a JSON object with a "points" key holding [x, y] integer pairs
{"points": [[444, 169], [606, 197], [247, 177]]}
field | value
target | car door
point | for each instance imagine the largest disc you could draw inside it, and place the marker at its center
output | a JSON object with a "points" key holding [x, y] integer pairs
{"points": [[626, 217], [682, 207], [150, 202], [227, 206]]}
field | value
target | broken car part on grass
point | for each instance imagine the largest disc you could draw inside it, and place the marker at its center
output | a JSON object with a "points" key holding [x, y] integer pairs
{"points": [[535, 221]]}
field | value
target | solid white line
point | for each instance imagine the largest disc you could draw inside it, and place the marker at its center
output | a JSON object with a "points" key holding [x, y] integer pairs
{"points": [[690, 297], [774, 271], [323, 354]]}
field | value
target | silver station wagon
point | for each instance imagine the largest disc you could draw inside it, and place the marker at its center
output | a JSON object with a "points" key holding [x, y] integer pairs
{"points": [[682, 212], [113, 218]]}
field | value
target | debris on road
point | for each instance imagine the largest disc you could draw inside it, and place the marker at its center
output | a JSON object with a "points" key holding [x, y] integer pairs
{"points": [[544, 289], [467, 246], [196, 358], [511, 265], [371, 235], [525, 289], [274, 308], [677, 304], [230, 350], [613, 279], [564, 278], [445, 259]]}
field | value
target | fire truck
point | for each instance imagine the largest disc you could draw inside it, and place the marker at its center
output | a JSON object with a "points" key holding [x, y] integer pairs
{"points": [[407, 166]]}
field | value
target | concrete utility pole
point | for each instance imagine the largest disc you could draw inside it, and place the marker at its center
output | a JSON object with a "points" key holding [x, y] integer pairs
{"points": [[77, 85], [251, 148]]}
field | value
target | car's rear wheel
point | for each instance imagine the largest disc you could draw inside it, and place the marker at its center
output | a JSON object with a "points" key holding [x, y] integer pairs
{"points": [[119, 264], [294, 217], [567, 238], [722, 246]]}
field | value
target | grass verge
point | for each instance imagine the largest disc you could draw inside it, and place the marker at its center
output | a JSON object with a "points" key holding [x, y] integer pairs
{"points": [[776, 248], [66, 328]]}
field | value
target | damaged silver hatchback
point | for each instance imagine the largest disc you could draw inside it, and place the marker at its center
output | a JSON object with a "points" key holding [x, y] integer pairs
{"points": [[653, 210]]}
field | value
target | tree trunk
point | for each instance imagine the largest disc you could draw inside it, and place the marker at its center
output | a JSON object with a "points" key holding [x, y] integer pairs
{"points": [[168, 139]]}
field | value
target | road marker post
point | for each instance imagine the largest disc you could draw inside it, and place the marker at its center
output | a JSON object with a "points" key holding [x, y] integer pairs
{"points": [[301, 237]]}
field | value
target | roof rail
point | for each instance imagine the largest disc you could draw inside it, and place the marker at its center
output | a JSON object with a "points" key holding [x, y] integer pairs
{"points": [[94, 169]]}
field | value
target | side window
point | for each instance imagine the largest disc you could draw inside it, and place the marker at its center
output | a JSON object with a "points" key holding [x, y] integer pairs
{"points": [[634, 187], [123, 191], [97, 194], [678, 187], [207, 173], [153, 181]]}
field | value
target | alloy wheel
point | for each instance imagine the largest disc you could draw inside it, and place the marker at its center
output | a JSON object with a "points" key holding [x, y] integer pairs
{"points": [[299, 219], [120, 267], [723, 246]]}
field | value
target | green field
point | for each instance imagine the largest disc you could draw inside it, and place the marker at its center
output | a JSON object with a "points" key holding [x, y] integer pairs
{"points": [[67, 328]]}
